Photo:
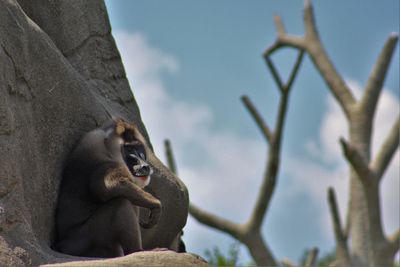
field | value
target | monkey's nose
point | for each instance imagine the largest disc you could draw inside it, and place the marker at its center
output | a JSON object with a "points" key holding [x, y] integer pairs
{"points": [[145, 170]]}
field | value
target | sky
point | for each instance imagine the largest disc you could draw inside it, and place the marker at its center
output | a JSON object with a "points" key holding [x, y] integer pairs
{"points": [[188, 63]]}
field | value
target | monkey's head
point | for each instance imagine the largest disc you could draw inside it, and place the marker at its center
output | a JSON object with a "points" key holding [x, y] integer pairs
{"points": [[122, 138], [134, 155], [133, 151]]}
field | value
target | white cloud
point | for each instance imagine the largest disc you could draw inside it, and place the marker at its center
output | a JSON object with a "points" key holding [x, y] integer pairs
{"points": [[142, 61], [314, 178]]}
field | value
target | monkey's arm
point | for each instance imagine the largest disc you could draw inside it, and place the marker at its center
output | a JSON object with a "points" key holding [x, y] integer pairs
{"points": [[114, 180]]}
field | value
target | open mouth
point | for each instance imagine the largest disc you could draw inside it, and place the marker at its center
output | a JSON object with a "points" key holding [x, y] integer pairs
{"points": [[143, 178]]}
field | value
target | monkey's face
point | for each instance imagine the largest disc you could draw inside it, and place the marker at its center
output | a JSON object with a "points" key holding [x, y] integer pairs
{"points": [[135, 158]]}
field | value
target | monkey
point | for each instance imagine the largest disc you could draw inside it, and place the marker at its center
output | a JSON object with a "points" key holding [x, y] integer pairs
{"points": [[97, 213], [182, 246], [178, 245]]}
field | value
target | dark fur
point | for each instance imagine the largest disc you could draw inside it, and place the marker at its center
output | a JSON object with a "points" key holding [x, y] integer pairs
{"points": [[97, 213]]}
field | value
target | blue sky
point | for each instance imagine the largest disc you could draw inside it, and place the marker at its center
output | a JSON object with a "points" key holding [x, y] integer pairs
{"points": [[188, 63]]}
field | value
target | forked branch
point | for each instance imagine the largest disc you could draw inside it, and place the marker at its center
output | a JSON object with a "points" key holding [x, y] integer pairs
{"points": [[312, 44], [387, 151], [215, 221], [286, 41], [377, 77], [357, 161], [257, 118], [268, 185], [283, 87], [274, 73]]}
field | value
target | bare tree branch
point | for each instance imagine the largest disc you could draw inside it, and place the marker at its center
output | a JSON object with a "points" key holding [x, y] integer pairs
{"points": [[377, 77], [323, 63], [337, 226], [280, 122], [357, 161], [170, 156], [387, 151], [311, 258], [274, 73], [269, 180], [309, 21], [284, 86], [295, 70], [265, 193], [257, 118], [268, 185], [342, 252], [280, 28], [286, 40], [215, 221], [312, 44], [290, 41], [283, 39]]}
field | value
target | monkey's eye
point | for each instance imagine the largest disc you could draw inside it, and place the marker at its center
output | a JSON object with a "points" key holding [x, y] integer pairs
{"points": [[133, 160], [142, 156], [128, 135]]}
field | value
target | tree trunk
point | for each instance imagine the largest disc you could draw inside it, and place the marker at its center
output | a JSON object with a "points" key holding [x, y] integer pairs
{"points": [[358, 210], [60, 76], [368, 246]]}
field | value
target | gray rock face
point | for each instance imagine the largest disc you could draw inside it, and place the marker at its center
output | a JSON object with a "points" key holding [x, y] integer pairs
{"points": [[60, 76]]}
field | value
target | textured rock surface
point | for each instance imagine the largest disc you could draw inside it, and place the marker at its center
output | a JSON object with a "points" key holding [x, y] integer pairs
{"points": [[140, 259], [60, 76]]}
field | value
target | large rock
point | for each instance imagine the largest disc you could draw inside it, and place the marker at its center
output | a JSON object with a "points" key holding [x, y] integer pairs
{"points": [[60, 76], [140, 259]]}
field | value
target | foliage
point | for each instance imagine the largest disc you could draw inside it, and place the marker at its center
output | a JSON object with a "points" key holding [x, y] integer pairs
{"points": [[216, 258], [327, 259]]}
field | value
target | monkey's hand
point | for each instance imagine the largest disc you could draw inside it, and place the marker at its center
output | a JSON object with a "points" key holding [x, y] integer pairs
{"points": [[125, 129], [155, 214], [112, 180]]}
